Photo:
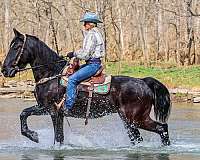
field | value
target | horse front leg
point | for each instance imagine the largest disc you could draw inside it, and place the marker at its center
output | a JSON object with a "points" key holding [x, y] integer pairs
{"points": [[57, 120], [34, 110]]}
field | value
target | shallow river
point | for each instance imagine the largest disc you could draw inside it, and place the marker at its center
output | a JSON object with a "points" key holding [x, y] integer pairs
{"points": [[102, 139]]}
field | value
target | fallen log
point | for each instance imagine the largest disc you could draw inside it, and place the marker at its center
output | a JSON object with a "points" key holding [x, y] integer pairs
{"points": [[7, 90]]}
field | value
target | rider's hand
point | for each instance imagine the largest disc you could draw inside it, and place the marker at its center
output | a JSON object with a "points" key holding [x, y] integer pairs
{"points": [[70, 55]]}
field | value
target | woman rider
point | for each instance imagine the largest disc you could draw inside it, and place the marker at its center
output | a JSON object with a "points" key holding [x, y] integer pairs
{"points": [[92, 51]]}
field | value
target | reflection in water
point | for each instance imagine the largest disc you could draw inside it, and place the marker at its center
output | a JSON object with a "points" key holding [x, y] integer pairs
{"points": [[38, 155], [28, 157], [148, 156], [58, 156]]}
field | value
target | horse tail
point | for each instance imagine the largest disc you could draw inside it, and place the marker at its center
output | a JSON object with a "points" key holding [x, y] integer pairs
{"points": [[162, 102]]}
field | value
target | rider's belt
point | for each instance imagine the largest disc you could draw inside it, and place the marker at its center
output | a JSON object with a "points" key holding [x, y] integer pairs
{"points": [[93, 60]]}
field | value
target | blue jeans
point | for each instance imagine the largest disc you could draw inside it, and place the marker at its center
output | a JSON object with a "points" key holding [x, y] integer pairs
{"points": [[86, 71]]}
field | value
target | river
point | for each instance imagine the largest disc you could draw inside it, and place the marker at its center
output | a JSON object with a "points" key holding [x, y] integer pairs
{"points": [[102, 139]]}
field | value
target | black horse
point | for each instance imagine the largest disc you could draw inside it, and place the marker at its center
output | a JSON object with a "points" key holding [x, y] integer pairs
{"points": [[132, 98]]}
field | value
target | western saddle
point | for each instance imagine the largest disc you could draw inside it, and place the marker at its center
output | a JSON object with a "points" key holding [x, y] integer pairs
{"points": [[98, 78], [99, 83]]}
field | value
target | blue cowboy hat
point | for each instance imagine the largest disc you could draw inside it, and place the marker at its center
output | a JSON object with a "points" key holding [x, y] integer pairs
{"points": [[90, 17]]}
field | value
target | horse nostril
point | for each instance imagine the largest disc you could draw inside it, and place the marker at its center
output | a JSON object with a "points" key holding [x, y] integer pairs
{"points": [[2, 70]]}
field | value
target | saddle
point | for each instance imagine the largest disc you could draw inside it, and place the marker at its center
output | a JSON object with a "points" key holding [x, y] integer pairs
{"points": [[99, 83]]}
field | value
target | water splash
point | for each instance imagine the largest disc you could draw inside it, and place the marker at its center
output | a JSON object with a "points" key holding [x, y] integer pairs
{"points": [[100, 136]]}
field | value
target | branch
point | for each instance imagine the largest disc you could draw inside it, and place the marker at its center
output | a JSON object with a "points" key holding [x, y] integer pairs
{"points": [[80, 6], [193, 14], [50, 4]]}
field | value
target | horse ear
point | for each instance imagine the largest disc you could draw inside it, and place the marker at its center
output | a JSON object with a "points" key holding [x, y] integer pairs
{"points": [[17, 33]]}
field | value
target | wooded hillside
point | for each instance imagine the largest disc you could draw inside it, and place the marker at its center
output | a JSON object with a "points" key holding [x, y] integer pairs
{"points": [[148, 31]]}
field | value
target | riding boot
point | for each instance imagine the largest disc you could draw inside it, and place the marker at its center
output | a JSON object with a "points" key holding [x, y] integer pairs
{"points": [[66, 112]]}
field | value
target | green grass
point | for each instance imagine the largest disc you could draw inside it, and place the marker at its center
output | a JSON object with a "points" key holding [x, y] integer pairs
{"points": [[183, 77]]}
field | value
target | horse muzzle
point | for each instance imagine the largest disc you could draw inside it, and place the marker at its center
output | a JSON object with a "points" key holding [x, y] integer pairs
{"points": [[9, 72]]}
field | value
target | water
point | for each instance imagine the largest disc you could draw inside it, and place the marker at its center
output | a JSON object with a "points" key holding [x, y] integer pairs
{"points": [[102, 139]]}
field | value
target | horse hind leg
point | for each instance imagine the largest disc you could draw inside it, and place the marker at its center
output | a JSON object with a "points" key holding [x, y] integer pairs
{"points": [[133, 133], [132, 130], [160, 128], [34, 110]]}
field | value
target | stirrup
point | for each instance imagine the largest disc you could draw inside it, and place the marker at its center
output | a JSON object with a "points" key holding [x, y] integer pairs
{"points": [[60, 104]]}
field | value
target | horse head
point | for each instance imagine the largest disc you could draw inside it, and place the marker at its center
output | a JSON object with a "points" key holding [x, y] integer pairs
{"points": [[17, 57]]}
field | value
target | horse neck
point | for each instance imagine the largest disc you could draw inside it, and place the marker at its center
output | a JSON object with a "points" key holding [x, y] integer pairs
{"points": [[43, 55]]}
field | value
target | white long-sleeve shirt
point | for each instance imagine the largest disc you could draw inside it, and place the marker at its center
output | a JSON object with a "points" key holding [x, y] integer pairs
{"points": [[93, 45]]}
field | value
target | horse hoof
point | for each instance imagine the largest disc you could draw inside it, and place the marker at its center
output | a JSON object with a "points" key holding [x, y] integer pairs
{"points": [[166, 142], [139, 139], [133, 143], [33, 136]]}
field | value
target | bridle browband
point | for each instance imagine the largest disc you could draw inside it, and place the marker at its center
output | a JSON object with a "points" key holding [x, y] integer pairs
{"points": [[21, 52]]}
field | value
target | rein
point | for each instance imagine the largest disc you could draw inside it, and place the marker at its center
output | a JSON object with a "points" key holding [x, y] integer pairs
{"points": [[40, 66], [44, 80]]}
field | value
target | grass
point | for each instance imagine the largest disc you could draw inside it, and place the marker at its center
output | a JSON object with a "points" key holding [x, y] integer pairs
{"points": [[172, 77], [182, 77]]}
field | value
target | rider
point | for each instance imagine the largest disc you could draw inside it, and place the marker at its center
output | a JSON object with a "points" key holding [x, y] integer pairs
{"points": [[92, 50]]}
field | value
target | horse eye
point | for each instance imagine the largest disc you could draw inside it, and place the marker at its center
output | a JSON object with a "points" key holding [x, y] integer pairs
{"points": [[16, 47]]}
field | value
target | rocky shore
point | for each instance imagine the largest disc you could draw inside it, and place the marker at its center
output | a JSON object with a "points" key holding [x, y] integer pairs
{"points": [[25, 89]]}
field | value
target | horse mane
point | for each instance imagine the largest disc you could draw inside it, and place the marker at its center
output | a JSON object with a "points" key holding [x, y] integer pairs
{"points": [[32, 36], [50, 56]]}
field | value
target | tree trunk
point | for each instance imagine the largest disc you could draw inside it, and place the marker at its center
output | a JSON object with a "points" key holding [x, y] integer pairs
{"points": [[7, 26], [178, 35], [142, 29], [158, 28], [190, 33]]}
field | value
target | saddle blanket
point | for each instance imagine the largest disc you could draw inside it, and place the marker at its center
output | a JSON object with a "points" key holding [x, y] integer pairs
{"points": [[101, 88]]}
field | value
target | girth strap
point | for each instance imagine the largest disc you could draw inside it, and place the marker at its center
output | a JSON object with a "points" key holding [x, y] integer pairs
{"points": [[91, 89], [44, 80]]}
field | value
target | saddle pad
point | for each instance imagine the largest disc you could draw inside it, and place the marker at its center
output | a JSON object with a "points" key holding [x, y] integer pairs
{"points": [[102, 88]]}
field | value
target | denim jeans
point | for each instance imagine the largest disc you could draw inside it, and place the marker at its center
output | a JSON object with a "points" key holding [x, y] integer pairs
{"points": [[85, 72]]}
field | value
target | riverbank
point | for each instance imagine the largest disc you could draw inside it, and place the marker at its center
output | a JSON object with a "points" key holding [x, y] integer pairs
{"points": [[25, 90], [185, 77], [182, 82]]}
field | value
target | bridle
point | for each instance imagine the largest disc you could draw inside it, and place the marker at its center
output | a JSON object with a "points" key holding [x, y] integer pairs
{"points": [[19, 54]]}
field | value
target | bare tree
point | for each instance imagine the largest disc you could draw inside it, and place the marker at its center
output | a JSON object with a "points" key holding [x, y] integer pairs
{"points": [[143, 30], [7, 25]]}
